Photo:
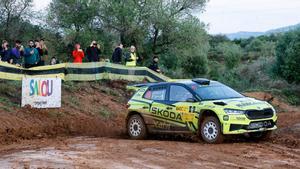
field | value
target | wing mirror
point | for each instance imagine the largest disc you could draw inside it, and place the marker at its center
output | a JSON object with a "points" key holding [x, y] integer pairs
{"points": [[191, 100]]}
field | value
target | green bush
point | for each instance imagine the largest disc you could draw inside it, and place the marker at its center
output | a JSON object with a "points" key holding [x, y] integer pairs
{"points": [[195, 65], [288, 57], [232, 54]]}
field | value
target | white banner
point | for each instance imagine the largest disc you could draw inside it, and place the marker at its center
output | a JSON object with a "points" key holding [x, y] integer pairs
{"points": [[41, 92]]}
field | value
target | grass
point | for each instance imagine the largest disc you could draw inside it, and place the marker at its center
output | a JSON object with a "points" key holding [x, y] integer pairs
{"points": [[104, 112]]}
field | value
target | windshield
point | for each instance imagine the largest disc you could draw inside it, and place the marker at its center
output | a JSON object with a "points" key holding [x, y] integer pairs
{"points": [[215, 92]]}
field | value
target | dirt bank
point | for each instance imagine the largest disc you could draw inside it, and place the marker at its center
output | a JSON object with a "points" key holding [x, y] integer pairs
{"points": [[89, 109]]}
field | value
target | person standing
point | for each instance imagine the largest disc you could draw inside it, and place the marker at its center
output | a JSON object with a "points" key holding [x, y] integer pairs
{"points": [[44, 50], [16, 53], [78, 54], [154, 65], [39, 49], [93, 52], [54, 61], [4, 52], [131, 58], [117, 55], [31, 55]]}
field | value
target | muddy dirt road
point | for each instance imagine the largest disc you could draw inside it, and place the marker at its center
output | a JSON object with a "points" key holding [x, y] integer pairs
{"points": [[83, 152], [31, 138]]}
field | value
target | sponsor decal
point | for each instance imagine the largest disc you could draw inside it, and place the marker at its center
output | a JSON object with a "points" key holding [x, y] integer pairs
{"points": [[188, 117], [182, 109], [42, 88], [248, 104], [166, 114], [41, 92], [162, 125]]}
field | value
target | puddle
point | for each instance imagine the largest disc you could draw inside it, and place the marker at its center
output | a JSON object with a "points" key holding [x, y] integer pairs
{"points": [[43, 158]]}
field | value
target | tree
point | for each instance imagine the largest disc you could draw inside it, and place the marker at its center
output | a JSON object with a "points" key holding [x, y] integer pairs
{"points": [[72, 16], [12, 15], [288, 57], [232, 54]]}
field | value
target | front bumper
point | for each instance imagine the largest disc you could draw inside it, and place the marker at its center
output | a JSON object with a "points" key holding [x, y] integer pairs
{"points": [[239, 124]]}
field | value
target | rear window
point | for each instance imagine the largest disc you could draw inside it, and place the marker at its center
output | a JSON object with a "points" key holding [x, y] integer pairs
{"points": [[158, 93]]}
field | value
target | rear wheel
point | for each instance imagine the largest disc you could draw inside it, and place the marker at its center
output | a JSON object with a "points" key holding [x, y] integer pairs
{"points": [[136, 127], [211, 130]]}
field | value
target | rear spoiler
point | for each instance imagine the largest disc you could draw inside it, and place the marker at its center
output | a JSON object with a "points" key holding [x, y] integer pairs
{"points": [[136, 87]]}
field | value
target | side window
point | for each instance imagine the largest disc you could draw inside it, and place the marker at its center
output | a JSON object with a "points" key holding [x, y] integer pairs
{"points": [[158, 94], [179, 94]]}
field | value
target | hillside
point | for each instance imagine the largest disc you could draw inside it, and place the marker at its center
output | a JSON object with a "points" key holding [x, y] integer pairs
{"points": [[245, 34]]}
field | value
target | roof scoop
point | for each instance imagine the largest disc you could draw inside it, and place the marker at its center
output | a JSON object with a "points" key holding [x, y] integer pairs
{"points": [[201, 81]]}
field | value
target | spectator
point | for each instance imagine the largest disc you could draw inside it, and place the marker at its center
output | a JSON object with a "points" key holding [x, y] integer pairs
{"points": [[54, 61], [154, 65], [117, 55], [31, 55], [39, 49], [131, 58], [45, 52], [16, 53], [93, 52], [78, 54], [4, 52]]}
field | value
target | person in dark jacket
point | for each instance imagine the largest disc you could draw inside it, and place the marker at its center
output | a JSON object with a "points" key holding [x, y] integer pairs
{"points": [[93, 52], [4, 52], [117, 55], [41, 53], [154, 65], [16, 53]]}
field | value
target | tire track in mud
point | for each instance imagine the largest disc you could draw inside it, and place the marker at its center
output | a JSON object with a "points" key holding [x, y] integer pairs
{"points": [[109, 153]]}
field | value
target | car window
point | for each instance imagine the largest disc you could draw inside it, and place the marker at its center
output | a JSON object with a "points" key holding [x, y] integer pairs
{"points": [[158, 94], [179, 94]]}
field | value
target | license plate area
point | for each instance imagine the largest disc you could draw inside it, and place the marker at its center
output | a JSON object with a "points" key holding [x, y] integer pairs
{"points": [[260, 124]]}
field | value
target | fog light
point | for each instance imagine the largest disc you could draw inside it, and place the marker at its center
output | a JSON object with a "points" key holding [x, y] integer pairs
{"points": [[226, 118]]}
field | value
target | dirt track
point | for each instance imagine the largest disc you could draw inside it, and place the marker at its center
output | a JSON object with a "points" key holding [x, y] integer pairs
{"points": [[29, 138], [121, 153], [282, 151]]}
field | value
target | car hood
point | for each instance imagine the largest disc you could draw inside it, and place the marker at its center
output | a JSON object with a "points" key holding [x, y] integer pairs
{"points": [[245, 103]]}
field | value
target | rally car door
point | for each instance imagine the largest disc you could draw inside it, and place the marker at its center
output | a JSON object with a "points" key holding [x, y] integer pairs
{"points": [[157, 117], [185, 104]]}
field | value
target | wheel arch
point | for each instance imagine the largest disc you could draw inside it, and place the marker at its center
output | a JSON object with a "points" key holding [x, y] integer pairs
{"points": [[131, 113], [206, 113]]}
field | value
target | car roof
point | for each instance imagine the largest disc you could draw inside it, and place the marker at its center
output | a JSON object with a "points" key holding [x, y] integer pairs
{"points": [[184, 82]]}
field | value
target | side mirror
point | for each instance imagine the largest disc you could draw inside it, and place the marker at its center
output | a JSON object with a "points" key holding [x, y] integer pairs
{"points": [[191, 100]]}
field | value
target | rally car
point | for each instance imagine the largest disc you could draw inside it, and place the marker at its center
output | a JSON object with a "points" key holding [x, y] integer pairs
{"points": [[207, 108]]}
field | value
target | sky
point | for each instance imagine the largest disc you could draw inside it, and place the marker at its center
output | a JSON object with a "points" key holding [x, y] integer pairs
{"points": [[229, 16]]}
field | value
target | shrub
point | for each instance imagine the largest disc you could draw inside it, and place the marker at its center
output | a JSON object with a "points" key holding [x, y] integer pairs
{"points": [[232, 54], [288, 57]]}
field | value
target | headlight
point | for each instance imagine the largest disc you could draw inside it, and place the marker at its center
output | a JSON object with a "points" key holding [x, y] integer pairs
{"points": [[233, 111], [274, 110]]}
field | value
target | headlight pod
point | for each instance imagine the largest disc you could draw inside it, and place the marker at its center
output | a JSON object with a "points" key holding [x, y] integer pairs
{"points": [[233, 111], [274, 110]]}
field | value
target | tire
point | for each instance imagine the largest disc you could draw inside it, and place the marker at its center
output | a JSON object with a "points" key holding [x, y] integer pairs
{"points": [[211, 130], [260, 136], [136, 127]]}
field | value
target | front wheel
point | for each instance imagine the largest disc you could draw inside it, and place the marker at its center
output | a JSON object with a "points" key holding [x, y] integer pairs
{"points": [[136, 127], [211, 130]]}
